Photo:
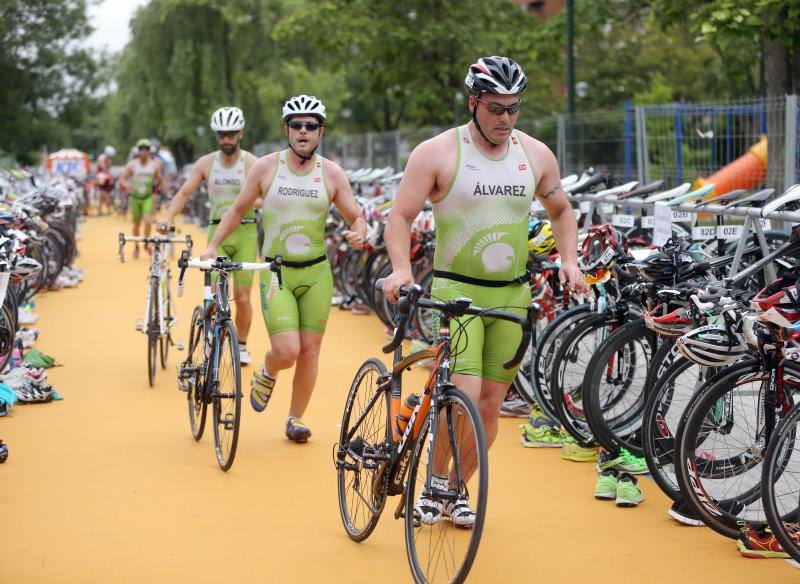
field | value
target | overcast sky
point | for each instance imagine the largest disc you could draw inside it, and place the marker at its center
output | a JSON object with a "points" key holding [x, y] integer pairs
{"points": [[110, 21]]}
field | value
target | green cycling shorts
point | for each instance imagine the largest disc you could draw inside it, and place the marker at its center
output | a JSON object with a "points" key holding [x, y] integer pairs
{"points": [[239, 246], [141, 206], [480, 345], [304, 302]]}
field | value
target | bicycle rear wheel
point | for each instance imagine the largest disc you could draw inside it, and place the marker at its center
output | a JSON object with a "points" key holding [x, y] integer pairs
{"points": [[166, 340], [364, 440], [441, 551], [227, 396], [193, 375], [152, 334]]}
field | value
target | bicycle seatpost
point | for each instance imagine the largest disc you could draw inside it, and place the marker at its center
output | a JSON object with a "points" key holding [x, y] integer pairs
{"points": [[183, 263]]}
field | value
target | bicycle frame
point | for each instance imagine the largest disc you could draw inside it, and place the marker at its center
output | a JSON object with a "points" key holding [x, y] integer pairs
{"points": [[217, 308]]}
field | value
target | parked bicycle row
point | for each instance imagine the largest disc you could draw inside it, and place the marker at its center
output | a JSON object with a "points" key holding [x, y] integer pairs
{"points": [[678, 364], [38, 235]]}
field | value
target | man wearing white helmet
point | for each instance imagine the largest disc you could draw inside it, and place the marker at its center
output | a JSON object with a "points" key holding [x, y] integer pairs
{"points": [[297, 186], [224, 173], [143, 173], [481, 179]]}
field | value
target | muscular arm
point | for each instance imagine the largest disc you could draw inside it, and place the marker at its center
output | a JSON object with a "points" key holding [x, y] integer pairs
{"points": [[554, 201], [126, 174], [190, 186], [342, 197], [161, 180], [250, 160], [244, 202], [419, 181]]}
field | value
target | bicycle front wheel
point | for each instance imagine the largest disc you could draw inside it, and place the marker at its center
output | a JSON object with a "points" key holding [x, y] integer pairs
{"points": [[364, 443], [152, 334], [166, 341], [227, 402], [449, 472]]}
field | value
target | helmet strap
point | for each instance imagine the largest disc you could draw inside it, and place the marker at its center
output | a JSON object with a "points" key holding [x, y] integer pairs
{"points": [[477, 125], [303, 159]]}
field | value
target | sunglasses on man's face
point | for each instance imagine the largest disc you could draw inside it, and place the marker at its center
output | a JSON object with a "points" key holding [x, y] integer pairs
{"points": [[310, 126], [498, 108], [223, 135]]}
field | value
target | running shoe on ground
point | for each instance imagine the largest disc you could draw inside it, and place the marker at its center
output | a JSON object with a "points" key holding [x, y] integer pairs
{"points": [[623, 462], [577, 453], [514, 408], [260, 390], [628, 492], [541, 437], [537, 417], [429, 508], [297, 431], [606, 485], [27, 316], [28, 337], [460, 513], [759, 543], [682, 513], [360, 309], [244, 356], [32, 393]]}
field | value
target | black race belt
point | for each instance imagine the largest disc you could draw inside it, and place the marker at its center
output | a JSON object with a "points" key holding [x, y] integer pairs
{"points": [[523, 279]]}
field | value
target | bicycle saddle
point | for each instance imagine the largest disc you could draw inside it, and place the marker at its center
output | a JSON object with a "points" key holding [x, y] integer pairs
{"points": [[693, 195], [642, 190], [670, 194], [723, 198], [754, 200]]}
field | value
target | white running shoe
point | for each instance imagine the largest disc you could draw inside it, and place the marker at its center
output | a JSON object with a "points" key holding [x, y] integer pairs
{"points": [[27, 316], [244, 357], [460, 513], [32, 393]]}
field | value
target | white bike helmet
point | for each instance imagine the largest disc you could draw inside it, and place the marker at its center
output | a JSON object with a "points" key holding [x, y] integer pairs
{"points": [[227, 119], [23, 268], [304, 105], [712, 345], [110, 151]]}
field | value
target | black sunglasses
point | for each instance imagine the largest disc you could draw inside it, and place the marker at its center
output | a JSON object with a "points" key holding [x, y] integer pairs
{"points": [[310, 126], [221, 135], [498, 108]]}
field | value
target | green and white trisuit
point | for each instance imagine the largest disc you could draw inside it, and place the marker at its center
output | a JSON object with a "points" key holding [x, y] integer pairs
{"points": [[224, 184], [142, 199], [482, 237], [295, 209]]}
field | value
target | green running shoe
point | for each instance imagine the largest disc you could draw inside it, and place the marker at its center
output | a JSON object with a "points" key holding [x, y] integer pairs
{"points": [[628, 492], [606, 485], [623, 462], [577, 453], [541, 437], [539, 418]]}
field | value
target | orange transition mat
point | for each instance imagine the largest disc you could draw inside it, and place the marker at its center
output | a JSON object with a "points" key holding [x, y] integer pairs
{"points": [[108, 485]]}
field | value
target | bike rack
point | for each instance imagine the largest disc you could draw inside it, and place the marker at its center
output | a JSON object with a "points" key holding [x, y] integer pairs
{"points": [[752, 215]]}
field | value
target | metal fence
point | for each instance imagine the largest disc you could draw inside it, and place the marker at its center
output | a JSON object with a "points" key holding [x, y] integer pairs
{"points": [[677, 142]]}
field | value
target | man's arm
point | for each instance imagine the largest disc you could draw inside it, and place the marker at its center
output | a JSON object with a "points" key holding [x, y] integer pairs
{"points": [[243, 203], [161, 181], [249, 161], [565, 227], [126, 174], [419, 181], [342, 197], [189, 187]]}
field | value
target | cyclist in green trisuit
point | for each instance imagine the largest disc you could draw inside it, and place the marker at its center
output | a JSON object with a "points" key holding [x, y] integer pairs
{"points": [[481, 179], [297, 186], [224, 173], [143, 172]]}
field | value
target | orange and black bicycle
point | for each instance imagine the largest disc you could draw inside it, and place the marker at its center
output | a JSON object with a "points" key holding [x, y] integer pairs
{"points": [[430, 449]]}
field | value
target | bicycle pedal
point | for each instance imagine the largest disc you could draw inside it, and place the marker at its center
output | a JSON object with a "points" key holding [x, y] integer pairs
{"points": [[179, 345], [139, 325]]}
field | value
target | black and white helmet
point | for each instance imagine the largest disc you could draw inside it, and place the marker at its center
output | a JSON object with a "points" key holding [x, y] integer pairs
{"points": [[23, 268], [712, 345], [227, 119], [495, 75], [304, 105]]}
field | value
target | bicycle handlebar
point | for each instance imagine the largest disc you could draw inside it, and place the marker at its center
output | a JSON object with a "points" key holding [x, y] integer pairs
{"points": [[123, 239], [221, 263], [412, 296]]}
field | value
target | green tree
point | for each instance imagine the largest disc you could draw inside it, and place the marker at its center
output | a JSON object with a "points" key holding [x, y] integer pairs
{"points": [[45, 76]]}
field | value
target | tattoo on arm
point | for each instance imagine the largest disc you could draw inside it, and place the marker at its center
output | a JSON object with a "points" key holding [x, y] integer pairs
{"points": [[552, 191]]}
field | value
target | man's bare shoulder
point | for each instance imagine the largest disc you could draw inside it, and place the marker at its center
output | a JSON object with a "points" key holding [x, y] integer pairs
{"points": [[333, 170], [264, 166], [204, 163], [433, 151], [534, 148]]}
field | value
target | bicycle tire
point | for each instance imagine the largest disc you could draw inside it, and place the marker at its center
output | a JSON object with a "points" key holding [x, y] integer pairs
{"points": [[414, 528], [723, 515], [227, 397], [166, 340], [544, 350], [196, 378], [782, 523], [614, 376], [375, 438], [152, 333]]}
